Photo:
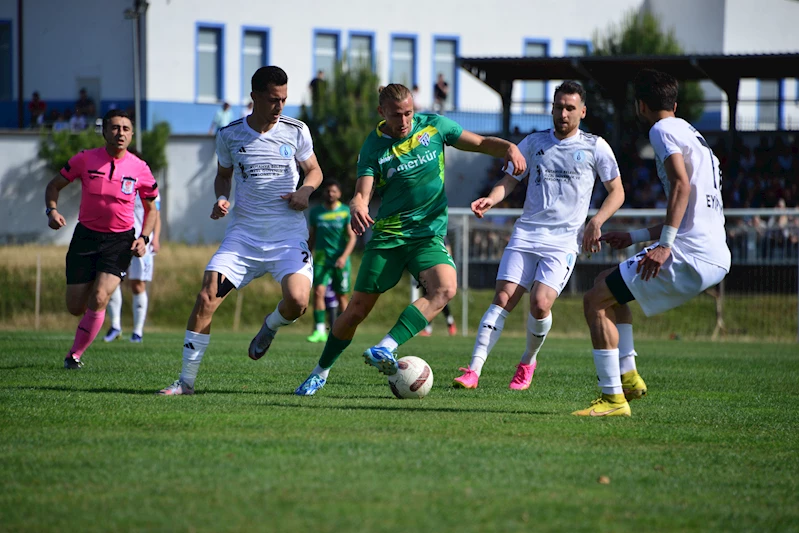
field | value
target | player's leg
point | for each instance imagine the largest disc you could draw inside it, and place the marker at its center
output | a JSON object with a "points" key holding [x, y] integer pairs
{"points": [[539, 322], [114, 311], [632, 383], [417, 291], [140, 303], [92, 321], [452, 329], [319, 309]]}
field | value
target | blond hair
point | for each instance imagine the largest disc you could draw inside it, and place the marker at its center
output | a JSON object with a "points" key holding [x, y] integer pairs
{"points": [[394, 92]]}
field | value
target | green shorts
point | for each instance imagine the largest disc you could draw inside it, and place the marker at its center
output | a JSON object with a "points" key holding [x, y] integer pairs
{"points": [[382, 268], [324, 274]]}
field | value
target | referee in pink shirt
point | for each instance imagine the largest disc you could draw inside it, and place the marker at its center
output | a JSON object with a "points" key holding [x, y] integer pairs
{"points": [[104, 241]]}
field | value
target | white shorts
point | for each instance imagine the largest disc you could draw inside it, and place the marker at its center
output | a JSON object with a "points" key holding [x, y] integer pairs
{"points": [[241, 262], [551, 266], [141, 268], [680, 279]]}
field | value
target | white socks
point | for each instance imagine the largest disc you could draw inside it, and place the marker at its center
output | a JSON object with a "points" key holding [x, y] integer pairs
{"points": [[114, 309], [320, 327], [194, 346], [139, 312], [389, 343], [321, 372], [536, 334], [275, 320], [607, 370], [490, 329], [626, 348]]}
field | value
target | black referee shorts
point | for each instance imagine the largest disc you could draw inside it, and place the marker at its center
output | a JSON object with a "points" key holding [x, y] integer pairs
{"points": [[92, 251]]}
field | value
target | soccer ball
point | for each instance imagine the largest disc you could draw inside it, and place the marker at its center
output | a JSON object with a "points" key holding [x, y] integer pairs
{"points": [[413, 379]]}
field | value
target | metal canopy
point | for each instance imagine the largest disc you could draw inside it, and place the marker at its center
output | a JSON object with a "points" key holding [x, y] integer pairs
{"points": [[613, 73]]}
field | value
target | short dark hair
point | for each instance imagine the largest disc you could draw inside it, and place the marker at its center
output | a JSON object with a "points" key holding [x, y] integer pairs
{"points": [[331, 183], [266, 76], [570, 87], [115, 113], [656, 89]]}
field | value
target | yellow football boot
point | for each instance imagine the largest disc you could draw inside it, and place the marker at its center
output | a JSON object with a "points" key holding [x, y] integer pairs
{"points": [[607, 405], [633, 385]]}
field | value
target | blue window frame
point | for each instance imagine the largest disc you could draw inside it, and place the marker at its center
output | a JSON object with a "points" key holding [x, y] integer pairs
{"points": [[445, 61], [209, 62], [326, 51], [254, 55], [577, 48], [402, 59], [361, 49], [535, 93]]}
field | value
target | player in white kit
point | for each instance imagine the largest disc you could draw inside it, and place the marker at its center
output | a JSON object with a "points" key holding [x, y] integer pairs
{"points": [[267, 232], [562, 164], [690, 256], [140, 272]]}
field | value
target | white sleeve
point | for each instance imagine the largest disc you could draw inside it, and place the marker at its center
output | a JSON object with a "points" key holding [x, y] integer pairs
{"points": [[223, 152], [304, 145], [524, 148], [606, 166], [663, 142]]}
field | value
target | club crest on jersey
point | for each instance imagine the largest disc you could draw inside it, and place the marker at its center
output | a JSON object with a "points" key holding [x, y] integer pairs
{"points": [[128, 185], [579, 156], [286, 150], [424, 139]]}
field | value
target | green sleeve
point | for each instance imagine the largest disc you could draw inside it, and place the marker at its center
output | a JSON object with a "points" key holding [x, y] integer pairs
{"points": [[449, 129], [312, 216], [367, 163]]}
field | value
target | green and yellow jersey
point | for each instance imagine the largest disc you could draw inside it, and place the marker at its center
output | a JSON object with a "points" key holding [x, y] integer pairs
{"points": [[409, 179], [330, 232]]}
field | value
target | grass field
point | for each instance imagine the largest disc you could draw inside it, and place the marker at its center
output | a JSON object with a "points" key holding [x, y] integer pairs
{"points": [[713, 447]]}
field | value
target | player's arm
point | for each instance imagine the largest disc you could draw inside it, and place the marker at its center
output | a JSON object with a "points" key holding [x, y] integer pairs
{"points": [[298, 200], [54, 219], [349, 248], [139, 246], [157, 232], [500, 191], [494, 146], [223, 183], [359, 205], [613, 201]]}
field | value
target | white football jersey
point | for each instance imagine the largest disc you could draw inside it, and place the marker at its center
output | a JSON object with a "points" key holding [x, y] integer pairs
{"points": [[562, 176], [701, 232], [265, 168], [138, 217]]}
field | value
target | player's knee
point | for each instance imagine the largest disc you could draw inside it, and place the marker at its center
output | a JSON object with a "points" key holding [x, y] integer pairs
{"points": [[76, 308], [540, 306], [297, 304], [355, 314], [206, 302], [446, 292], [591, 306]]}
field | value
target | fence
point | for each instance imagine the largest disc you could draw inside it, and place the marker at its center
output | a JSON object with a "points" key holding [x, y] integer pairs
{"points": [[762, 286]]}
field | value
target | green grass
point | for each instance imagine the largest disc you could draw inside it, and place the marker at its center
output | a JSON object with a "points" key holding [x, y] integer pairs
{"points": [[714, 446]]}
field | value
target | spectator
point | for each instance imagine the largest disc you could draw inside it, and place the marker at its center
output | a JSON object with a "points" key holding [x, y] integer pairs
{"points": [[85, 104], [78, 121], [222, 118], [37, 108], [317, 83], [61, 121], [418, 106], [440, 91]]}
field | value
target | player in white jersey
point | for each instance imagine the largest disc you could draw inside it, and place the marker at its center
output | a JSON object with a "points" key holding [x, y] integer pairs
{"points": [[140, 272], [267, 232], [562, 164], [690, 256]]}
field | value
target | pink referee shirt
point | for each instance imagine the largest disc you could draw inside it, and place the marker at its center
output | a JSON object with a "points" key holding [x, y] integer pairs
{"points": [[109, 187]]}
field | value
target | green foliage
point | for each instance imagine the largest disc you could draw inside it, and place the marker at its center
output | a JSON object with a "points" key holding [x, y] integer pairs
{"points": [[56, 148], [343, 112]]}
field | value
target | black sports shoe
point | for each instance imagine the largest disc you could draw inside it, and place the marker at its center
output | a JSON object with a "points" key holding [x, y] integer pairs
{"points": [[70, 363]]}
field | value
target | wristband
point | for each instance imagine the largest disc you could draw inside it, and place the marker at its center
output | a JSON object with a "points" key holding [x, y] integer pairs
{"points": [[221, 197], [640, 235], [146, 239], [667, 235]]}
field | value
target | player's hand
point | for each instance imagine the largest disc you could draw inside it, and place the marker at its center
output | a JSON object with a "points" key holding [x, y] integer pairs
{"points": [[156, 246], [618, 240], [298, 200], [341, 261], [481, 205], [592, 237], [359, 217], [55, 220], [515, 158], [138, 247], [649, 265], [220, 209]]}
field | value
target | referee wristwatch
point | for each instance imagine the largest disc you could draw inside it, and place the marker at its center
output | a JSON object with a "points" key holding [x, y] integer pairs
{"points": [[146, 238]]}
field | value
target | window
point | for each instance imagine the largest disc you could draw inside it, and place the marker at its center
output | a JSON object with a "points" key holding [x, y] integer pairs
{"points": [[768, 96], [325, 53], [535, 92], [444, 53], [253, 57], [209, 64], [403, 61], [360, 54], [6, 73], [577, 48]]}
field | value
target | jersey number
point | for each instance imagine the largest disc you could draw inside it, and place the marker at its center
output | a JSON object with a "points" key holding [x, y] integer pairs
{"points": [[305, 257], [703, 142]]}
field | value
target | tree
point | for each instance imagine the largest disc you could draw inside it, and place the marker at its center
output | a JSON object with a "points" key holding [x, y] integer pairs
{"points": [[343, 112], [638, 34]]}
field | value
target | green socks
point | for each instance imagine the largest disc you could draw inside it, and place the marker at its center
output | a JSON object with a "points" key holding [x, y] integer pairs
{"points": [[319, 316], [333, 348], [410, 322]]}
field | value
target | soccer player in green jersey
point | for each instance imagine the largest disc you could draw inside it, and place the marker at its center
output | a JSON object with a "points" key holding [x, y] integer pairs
{"points": [[332, 241], [403, 159]]}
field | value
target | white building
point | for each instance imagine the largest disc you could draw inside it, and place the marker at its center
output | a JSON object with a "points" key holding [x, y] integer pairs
{"points": [[197, 53]]}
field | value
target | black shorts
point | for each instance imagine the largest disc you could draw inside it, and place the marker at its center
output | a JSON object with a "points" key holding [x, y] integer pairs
{"points": [[92, 251], [618, 288]]}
